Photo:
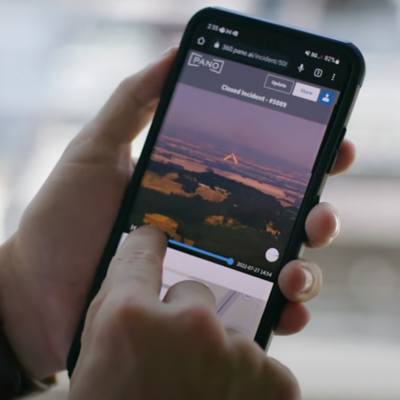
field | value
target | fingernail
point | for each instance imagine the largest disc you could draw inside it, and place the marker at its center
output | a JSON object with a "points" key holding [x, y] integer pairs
{"points": [[308, 280], [337, 230], [165, 52]]}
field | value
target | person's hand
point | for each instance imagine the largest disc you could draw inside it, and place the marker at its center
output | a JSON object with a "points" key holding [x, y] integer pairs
{"points": [[136, 347], [47, 267]]}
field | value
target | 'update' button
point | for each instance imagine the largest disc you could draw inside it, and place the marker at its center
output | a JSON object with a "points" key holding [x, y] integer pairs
{"points": [[279, 84], [306, 92]]}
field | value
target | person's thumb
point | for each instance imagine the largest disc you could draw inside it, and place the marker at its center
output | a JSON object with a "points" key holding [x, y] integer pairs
{"points": [[124, 116], [132, 105]]}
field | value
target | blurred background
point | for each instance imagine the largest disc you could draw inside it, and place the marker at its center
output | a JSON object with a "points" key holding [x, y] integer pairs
{"points": [[60, 60]]}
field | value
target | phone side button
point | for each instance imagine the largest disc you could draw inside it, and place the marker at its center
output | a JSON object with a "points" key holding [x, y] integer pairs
{"points": [[321, 188], [335, 155], [333, 162]]}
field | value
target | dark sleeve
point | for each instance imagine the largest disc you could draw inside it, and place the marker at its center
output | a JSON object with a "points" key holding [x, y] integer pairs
{"points": [[14, 381]]}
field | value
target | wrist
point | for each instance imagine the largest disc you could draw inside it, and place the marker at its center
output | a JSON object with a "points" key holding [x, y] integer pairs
{"points": [[20, 323], [15, 381]]}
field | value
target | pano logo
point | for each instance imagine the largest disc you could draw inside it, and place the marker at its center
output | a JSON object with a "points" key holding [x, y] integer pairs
{"points": [[214, 65]]}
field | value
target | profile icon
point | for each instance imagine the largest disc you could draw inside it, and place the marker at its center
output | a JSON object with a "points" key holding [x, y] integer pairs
{"points": [[327, 97]]}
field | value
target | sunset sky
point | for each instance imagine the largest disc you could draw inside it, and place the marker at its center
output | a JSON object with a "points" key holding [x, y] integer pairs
{"points": [[292, 139]]}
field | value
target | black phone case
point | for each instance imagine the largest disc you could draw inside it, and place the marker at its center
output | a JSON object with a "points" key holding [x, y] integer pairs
{"points": [[324, 163]]}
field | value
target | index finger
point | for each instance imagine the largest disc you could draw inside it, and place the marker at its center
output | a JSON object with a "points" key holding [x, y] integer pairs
{"points": [[138, 263]]}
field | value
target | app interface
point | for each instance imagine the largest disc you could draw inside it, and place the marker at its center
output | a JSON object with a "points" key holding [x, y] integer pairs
{"points": [[227, 177]]}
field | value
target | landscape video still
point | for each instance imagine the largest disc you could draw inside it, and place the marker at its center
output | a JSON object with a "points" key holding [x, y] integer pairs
{"points": [[227, 177]]}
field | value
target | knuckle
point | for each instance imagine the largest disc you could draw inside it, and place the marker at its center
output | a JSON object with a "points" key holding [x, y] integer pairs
{"points": [[124, 311], [121, 326], [242, 345], [246, 350], [95, 305], [195, 314], [125, 86], [90, 320], [291, 389], [281, 380], [198, 320], [137, 255], [128, 88]]}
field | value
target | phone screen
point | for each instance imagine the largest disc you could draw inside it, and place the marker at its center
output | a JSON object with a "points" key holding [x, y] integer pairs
{"points": [[231, 165]]}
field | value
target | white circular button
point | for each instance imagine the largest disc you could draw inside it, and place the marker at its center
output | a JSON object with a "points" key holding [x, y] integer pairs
{"points": [[272, 255]]}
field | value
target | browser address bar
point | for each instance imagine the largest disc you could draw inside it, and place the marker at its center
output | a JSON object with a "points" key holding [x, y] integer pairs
{"points": [[241, 52]]}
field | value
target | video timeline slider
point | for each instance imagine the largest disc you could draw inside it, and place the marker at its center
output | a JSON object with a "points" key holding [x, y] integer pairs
{"points": [[229, 261]]}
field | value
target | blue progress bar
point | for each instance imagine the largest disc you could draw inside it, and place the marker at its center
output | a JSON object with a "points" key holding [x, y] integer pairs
{"points": [[229, 261]]}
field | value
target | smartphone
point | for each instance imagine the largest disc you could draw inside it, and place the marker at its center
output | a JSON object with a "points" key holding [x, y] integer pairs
{"points": [[247, 130]]}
